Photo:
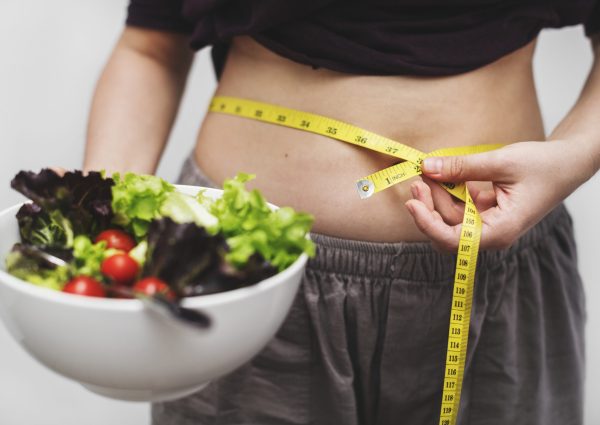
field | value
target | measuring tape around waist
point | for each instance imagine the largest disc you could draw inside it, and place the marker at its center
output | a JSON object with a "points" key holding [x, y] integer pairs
{"points": [[468, 248]]}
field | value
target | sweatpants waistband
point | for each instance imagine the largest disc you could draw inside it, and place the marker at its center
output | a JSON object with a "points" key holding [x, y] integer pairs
{"points": [[417, 261]]}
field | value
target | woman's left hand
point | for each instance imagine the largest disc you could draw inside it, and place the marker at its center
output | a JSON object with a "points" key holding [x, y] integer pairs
{"points": [[529, 179]]}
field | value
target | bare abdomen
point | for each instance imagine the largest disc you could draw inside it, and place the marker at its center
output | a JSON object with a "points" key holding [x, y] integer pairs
{"points": [[495, 104]]}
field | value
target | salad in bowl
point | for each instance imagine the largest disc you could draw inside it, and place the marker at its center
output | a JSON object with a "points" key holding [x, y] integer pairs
{"points": [[82, 253]]}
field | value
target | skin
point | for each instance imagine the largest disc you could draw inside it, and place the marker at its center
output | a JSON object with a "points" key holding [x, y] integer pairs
{"points": [[138, 94], [136, 101]]}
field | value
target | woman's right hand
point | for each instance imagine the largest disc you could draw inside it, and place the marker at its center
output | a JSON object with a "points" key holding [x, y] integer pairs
{"points": [[529, 179]]}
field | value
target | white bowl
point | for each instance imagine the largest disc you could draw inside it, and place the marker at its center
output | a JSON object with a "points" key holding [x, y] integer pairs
{"points": [[121, 350]]}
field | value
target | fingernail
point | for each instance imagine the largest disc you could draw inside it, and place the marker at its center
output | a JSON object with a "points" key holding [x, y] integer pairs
{"points": [[410, 208], [432, 165]]}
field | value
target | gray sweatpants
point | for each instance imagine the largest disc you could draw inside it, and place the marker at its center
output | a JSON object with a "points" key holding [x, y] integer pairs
{"points": [[365, 341]]}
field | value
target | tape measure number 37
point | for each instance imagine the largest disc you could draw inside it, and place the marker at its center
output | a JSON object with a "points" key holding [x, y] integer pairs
{"points": [[466, 263]]}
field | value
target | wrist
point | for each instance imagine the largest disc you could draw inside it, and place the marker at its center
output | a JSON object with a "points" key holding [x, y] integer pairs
{"points": [[583, 156]]}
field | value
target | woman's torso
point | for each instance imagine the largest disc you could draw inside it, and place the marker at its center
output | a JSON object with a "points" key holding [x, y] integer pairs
{"points": [[494, 104]]}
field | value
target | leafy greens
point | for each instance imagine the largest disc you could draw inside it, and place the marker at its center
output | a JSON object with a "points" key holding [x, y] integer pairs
{"points": [[180, 253], [139, 199], [192, 261], [63, 206], [136, 200], [43, 228], [196, 244], [251, 227], [32, 269]]}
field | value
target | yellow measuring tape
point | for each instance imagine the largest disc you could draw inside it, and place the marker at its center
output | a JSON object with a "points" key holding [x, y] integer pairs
{"points": [[468, 248]]}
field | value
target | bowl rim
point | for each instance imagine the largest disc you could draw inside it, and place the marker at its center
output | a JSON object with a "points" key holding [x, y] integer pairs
{"points": [[199, 301]]}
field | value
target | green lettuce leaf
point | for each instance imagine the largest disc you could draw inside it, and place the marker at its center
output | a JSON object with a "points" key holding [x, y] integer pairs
{"points": [[139, 252], [184, 208], [137, 199], [88, 257], [251, 227], [34, 271], [42, 228]]}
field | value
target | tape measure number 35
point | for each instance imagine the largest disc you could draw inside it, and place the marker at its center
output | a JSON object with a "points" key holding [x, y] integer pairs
{"points": [[466, 262]]}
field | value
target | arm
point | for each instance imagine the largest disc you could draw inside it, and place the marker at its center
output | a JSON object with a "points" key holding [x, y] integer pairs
{"points": [[529, 178], [136, 101], [582, 121]]}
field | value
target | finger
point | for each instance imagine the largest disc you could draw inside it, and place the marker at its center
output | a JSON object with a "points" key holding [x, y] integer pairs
{"points": [[499, 231], [501, 226], [487, 166], [451, 209], [443, 236], [496, 236], [59, 170], [421, 192], [484, 199]]}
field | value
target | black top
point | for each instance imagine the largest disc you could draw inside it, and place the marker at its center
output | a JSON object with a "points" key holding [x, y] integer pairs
{"points": [[372, 37]]}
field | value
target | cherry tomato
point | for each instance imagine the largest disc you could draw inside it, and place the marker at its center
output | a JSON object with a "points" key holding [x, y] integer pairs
{"points": [[85, 285], [120, 267], [153, 285], [116, 239]]}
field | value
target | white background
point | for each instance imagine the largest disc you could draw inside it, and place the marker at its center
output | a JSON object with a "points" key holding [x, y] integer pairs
{"points": [[51, 53]]}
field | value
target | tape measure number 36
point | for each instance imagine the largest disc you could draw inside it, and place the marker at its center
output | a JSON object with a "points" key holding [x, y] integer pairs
{"points": [[466, 263]]}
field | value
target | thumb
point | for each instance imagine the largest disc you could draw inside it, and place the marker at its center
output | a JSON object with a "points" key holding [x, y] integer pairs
{"points": [[486, 166]]}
